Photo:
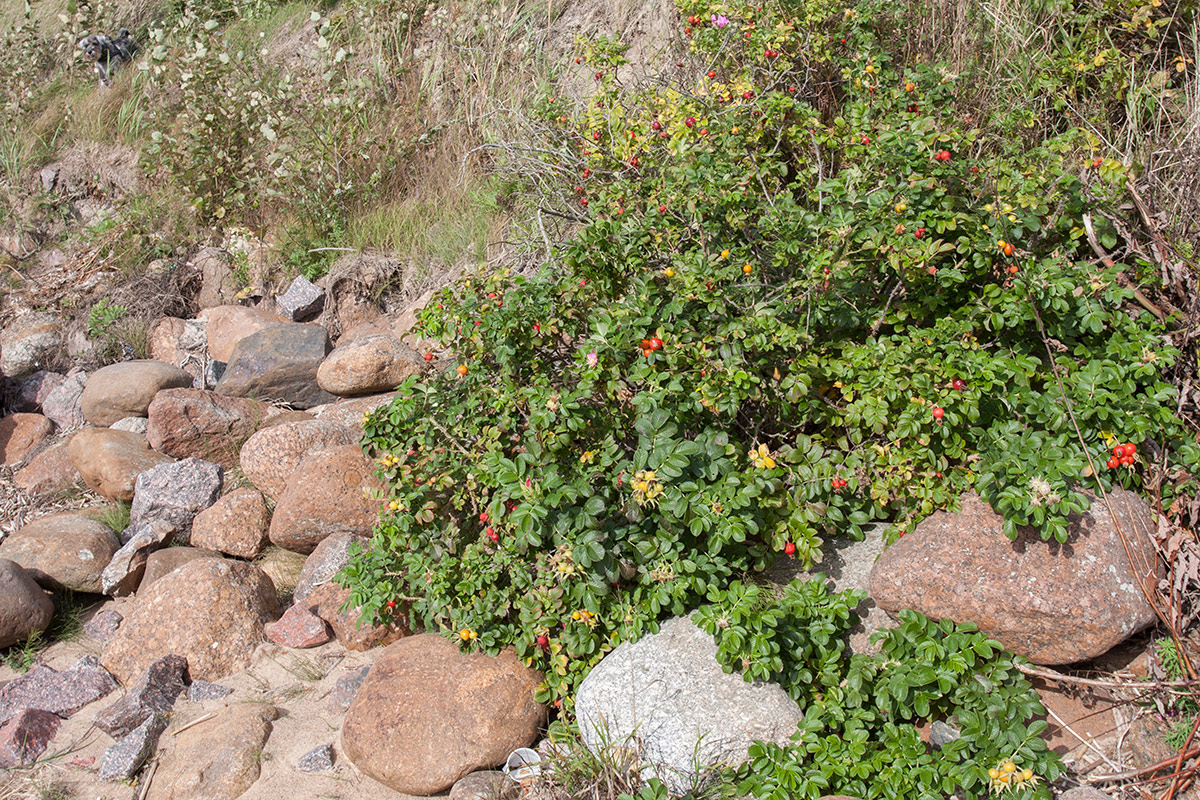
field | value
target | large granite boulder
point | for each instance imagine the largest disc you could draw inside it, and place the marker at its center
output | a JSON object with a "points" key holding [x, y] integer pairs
{"points": [[126, 389], [269, 458], [20, 434], [174, 493], [63, 551], [49, 470], [219, 760], [1052, 603], [24, 608], [369, 365], [331, 491], [196, 423], [110, 461], [236, 524], [209, 611], [428, 714], [278, 364], [227, 325], [668, 695], [29, 343]]}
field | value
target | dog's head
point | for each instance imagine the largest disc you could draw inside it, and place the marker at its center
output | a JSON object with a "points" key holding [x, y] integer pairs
{"points": [[92, 47]]}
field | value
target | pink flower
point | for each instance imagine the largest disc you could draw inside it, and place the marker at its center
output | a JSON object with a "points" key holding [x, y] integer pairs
{"points": [[719, 20], [593, 359]]}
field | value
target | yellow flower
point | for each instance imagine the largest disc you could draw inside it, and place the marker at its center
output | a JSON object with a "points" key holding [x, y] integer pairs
{"points": [[724, 254], [670, 273], [646, 488], [1099, 60], [761, 458], [587, 457]]}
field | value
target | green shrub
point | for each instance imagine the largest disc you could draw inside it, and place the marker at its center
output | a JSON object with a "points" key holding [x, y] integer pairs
{"points": [[805, 293]]}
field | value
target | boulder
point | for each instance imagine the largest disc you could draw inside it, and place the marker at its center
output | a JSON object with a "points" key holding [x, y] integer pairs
{"points": [[124, 572], [20, 434], [29, 343], [61, 693], [154, 693], [1052, 603], [299, 627], [328, 602], [33, 390], [209, 611], [218, 760], [198, 423], [331, 491], [62, 404], [352, 412], [174, 493], [270, 457], [228, 325], [110, 461], [165, 561], [303, 300], [24, 607], [427, 714], [25, 737], [126, 389], [278, 363], [49, 470], [63, 551], [217, 282], [667, 694], [369, 365], [236, 524], [326, 560]]}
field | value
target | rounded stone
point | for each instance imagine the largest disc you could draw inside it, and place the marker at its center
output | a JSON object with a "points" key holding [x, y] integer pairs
{"points": [[110, 461], [126, 389], [24, 608], [368, 365], [63, 551], [331, 491], [269, 458], [236, 524], [427, 714]]}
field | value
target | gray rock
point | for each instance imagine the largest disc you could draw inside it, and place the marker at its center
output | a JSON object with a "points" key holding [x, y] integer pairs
{"points": [[302, 300], [124, 572], [490, 784], [49, 177], [62, 404], [942, 734], [126, 389], [200, 691], [667, 695], [33, 390], [174, 493], [319, 759], [279, 363], [103, 625], [59, 693], [1084, 793], [344, 690], [24, 607], [326, 560], [154, 693], [122, 760], [31, 342], [63, 551], [25, 737], [131, 424]]}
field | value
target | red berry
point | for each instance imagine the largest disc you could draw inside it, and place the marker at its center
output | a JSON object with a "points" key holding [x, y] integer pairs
{"points": [[543, 641], [1113, 463], [932, 270], [583, 202], [690, 122], [1119, 450], [490, 532], [1131, 449], [746, 95], [483, 516], [712, 73], [790, 548], [919, 233], [429, 356], [596, 136], [656, 125], [938, 412], [599, 75], [537, 328], [1128, 460], [391, 603], [656, 343], [662, 209], [662, 134], [959, 384], [865, 140]]}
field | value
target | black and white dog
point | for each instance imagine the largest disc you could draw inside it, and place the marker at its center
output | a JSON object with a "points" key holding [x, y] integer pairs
{"points": [[108, 54]]}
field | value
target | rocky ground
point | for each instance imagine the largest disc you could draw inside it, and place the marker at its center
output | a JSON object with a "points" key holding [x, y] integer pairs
{"points": [[216, 660]]}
